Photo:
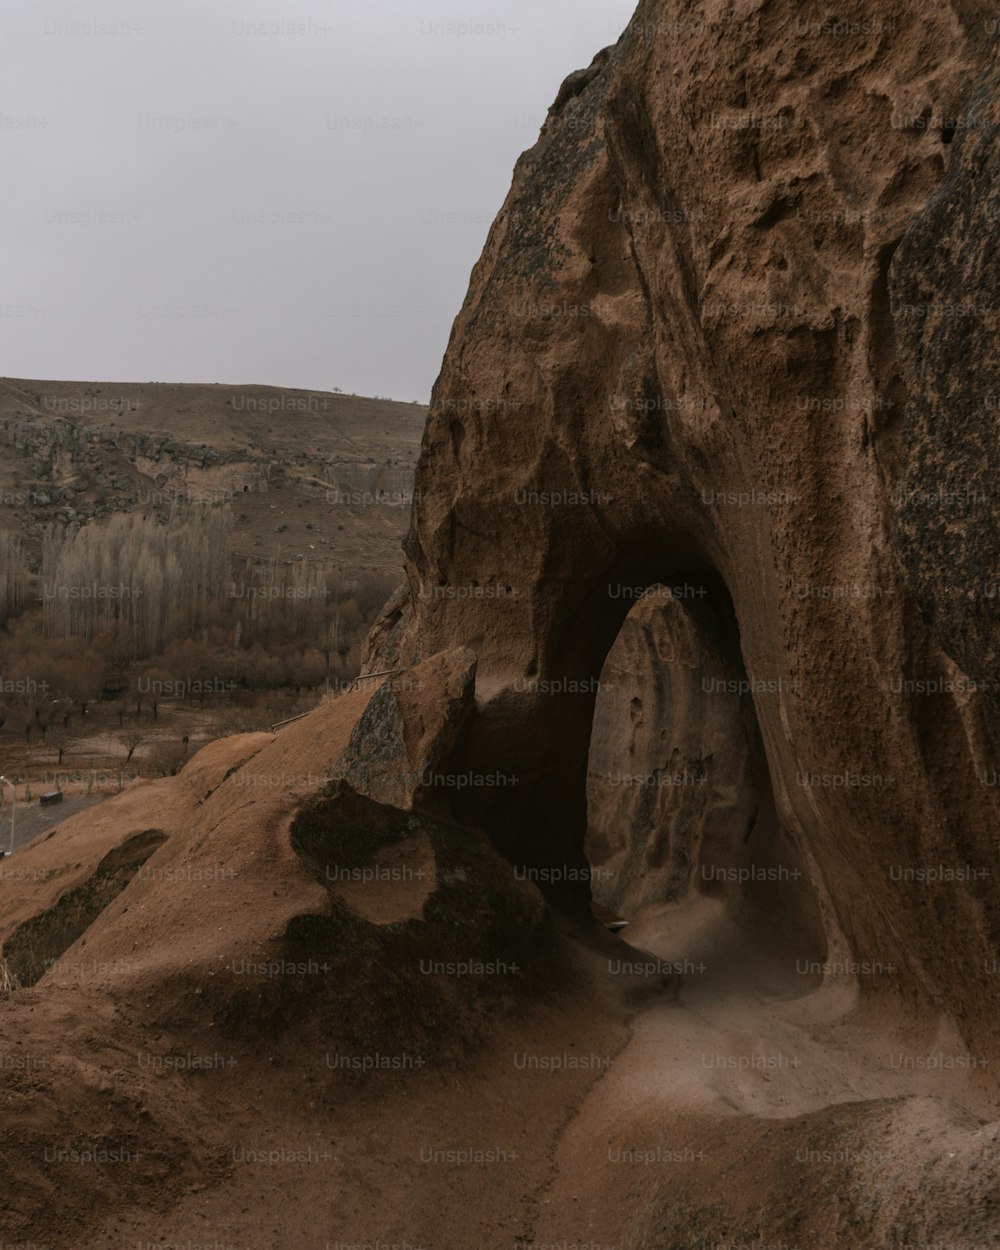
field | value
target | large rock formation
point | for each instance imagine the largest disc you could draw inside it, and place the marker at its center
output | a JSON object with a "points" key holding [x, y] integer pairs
{"points": [[730, 337], [669, 776], [732, 330]]}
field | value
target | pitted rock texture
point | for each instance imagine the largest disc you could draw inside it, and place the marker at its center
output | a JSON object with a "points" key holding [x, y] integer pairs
{"points": [[409, 730], [944, 295], [679, 358]]}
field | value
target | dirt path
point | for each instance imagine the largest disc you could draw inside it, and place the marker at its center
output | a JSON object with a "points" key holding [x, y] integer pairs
{"points": [[605, 1115], [598, 1113], [742, 1046], [32, 820]]}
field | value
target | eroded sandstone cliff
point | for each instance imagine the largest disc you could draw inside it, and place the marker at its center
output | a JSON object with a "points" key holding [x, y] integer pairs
{"points": [[730, 341], [733, 330]]}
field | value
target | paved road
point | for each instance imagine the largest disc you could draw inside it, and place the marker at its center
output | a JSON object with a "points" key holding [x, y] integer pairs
{"points": [[32, 819]]}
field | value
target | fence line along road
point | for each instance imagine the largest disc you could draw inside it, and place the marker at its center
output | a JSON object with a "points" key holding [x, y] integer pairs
{"points": [[386, 672]]}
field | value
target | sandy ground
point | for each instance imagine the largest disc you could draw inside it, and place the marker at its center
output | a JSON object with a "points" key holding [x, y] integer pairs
{"points": [[592, 1113], [753, 1107]]}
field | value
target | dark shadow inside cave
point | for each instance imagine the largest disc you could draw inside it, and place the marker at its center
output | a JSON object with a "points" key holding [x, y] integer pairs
{"points": [[689, 714], [680, 804]]}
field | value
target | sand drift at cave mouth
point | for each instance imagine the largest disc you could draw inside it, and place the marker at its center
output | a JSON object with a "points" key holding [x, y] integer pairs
{"points": [[741, 1018], [678, 1126]]}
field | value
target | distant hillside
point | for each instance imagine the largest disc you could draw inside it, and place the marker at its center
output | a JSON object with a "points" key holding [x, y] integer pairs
{"points": [[325, 476]]}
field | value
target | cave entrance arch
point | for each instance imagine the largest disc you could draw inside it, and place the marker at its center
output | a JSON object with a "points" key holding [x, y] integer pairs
{"points": [[533, 733], [680, 802]]}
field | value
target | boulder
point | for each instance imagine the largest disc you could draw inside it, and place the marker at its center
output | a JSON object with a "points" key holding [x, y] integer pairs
{"points": [[409, 730]]}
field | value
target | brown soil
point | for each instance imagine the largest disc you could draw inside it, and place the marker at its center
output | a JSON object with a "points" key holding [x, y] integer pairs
{"points": [[754, 1109]]}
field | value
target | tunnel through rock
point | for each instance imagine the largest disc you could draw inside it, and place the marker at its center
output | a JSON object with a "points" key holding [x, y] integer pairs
{"points": [[679, 795], [629, 767]]}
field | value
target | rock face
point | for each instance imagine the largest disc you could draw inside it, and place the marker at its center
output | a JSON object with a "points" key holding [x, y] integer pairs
{"points": [[687, 358], [943, 287], [679, 801], [409, 730]]}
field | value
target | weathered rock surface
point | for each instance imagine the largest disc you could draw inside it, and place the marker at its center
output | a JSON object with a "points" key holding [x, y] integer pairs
{"points": [[682, 360], [943, 287], [409, 730]]}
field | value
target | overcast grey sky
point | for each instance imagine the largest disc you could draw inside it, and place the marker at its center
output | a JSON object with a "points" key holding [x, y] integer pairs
{"points": [[260, 191]]}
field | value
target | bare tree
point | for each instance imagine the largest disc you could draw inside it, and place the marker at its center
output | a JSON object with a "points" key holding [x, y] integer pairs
{"points": [[136, 580], [130, 741]]}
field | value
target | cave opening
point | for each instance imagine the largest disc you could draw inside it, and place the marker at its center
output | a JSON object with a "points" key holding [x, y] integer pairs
{"points": [[706, 829], [682, 827]]}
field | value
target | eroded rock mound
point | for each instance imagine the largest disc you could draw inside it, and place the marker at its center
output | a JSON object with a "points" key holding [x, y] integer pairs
{"points": [[685, 354], [36, 945], [280, 927]]}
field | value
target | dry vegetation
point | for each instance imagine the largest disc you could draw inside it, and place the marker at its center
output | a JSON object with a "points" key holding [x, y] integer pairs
{"points": [[140, 640]]}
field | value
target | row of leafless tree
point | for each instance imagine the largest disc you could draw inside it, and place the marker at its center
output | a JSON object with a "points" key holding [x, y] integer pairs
{"points": [[135, 598], [135, 578], [12, 576]]}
